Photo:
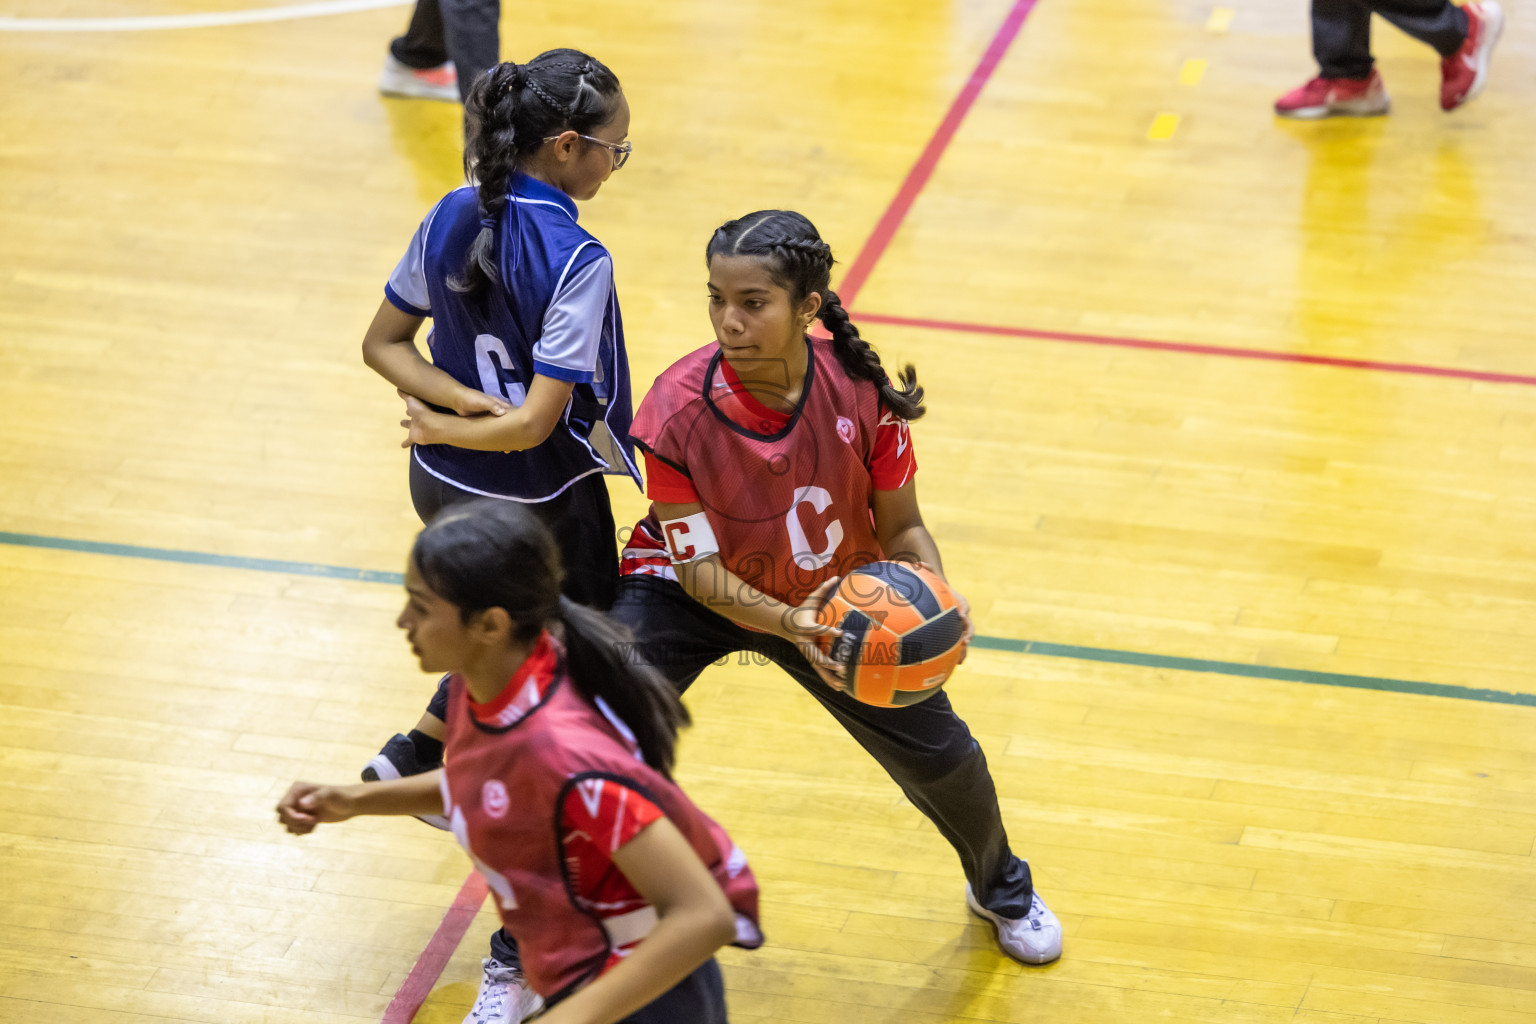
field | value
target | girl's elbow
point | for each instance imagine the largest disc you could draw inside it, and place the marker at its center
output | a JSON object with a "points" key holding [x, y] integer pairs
{"points": [[374, 353], [519, 432], [722, 921], [522, 441]]}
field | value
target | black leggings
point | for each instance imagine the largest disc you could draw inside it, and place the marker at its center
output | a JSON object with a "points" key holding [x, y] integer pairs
{"points": [[580, 517], [926, 748], [697, 999], [1341, 30]]}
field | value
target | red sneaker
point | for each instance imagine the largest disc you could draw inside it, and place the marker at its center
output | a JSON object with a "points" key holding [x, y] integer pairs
{"points": [[439, 83], [1463, 73], [1328, 97]]}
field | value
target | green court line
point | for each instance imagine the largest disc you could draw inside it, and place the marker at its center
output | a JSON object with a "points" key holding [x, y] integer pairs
{"points": [[986, 643], [94, 547], [1239, 668]]}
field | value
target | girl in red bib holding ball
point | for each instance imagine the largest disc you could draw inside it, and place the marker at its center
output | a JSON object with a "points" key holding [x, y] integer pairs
{"points": [[777, 462], [557, 782]]}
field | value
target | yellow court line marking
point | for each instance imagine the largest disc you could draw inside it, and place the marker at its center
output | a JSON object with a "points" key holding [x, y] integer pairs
{"points": [[1220, 20], [1193, 71], [213, 19], [1163, 127]]}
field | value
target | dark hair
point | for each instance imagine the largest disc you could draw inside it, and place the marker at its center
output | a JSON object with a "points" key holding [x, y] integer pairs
{"points": [[510, 111], [492, 553], [800, 262]]}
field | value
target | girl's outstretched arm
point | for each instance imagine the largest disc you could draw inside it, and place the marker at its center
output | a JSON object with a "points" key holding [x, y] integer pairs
{"points": [[389, 349], [307, 804], [693, 920]]}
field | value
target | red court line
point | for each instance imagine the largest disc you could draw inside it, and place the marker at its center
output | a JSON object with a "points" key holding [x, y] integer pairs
{"points": [[1199, 350], [429, 965], [859, 270]]}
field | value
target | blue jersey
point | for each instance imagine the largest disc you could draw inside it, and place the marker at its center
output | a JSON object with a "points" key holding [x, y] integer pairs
{"points": [[553, 312]]}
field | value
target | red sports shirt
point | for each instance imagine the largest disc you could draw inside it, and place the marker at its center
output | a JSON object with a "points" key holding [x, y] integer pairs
{"points": [[787, 494], [541, 787]]}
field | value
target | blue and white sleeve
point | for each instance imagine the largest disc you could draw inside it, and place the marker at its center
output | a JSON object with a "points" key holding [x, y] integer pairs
{"points": [[406, 288], [567, 348]]}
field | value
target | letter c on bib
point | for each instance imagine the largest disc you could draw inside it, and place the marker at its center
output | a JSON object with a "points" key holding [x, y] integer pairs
{"points": [[800, 545], [689, 539], [677, 545]]}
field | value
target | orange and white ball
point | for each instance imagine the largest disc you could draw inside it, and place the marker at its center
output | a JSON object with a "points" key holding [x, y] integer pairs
{"points": [[901, 633]]}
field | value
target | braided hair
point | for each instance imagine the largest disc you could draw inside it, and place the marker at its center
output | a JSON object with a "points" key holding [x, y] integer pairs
{"points": [[510, 111], [488, 553], [801, 263]]}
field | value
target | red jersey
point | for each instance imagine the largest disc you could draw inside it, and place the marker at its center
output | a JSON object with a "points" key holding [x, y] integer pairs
{"points": [[788, 495], [541, 787]]}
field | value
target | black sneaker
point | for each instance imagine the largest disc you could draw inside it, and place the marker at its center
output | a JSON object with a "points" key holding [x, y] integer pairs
{"points": [[396, 761]]}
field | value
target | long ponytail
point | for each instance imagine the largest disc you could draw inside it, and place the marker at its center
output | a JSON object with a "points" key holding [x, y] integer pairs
{"points": [[510, 111], [599, 655], [801, 262], [488, 553]]}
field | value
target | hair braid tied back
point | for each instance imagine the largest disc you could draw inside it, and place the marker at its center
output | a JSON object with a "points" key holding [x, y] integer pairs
{"points": [[511, 109], [800, 262]]}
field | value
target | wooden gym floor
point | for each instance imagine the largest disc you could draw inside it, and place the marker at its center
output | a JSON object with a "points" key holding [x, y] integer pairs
{"points": [[1232, 446]]}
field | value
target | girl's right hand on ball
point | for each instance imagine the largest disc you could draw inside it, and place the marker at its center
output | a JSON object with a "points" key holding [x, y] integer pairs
{"points": [[306, 805]]}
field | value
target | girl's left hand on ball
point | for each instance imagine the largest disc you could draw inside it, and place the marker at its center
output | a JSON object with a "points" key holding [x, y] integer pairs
{"points": [[964, 608]]}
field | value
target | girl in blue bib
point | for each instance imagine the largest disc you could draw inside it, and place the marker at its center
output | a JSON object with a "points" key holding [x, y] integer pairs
{"points": [[526, 397]]}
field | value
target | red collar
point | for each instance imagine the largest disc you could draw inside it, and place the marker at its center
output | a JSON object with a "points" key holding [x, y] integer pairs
{"points": [[525, 690], [772, 419]]}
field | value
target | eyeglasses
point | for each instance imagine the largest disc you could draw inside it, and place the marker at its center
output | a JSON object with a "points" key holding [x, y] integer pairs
{"points": [[621, 150]]}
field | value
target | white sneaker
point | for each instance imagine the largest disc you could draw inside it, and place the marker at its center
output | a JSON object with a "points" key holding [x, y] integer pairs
{"points": [[505, 997], [1034, 938], [439, 83]]}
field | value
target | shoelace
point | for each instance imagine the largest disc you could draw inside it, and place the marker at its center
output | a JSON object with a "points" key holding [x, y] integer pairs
{"points": [[492, 1000]]}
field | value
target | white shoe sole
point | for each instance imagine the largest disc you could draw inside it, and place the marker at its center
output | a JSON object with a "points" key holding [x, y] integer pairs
{"points": [[385, 769], [407, 86], [1494, 27], [1349, 108]]}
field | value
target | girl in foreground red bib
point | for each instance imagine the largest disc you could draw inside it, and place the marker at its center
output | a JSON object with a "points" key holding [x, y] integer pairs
{"points": [[557, 782], [775, 463]]}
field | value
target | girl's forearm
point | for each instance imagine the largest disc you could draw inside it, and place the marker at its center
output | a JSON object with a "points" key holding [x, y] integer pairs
{"points": [[681, 942], [513, 432], [413, 795], [914, 544], [693, 920], [711, 584], [527, 424], [401, 363]]}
